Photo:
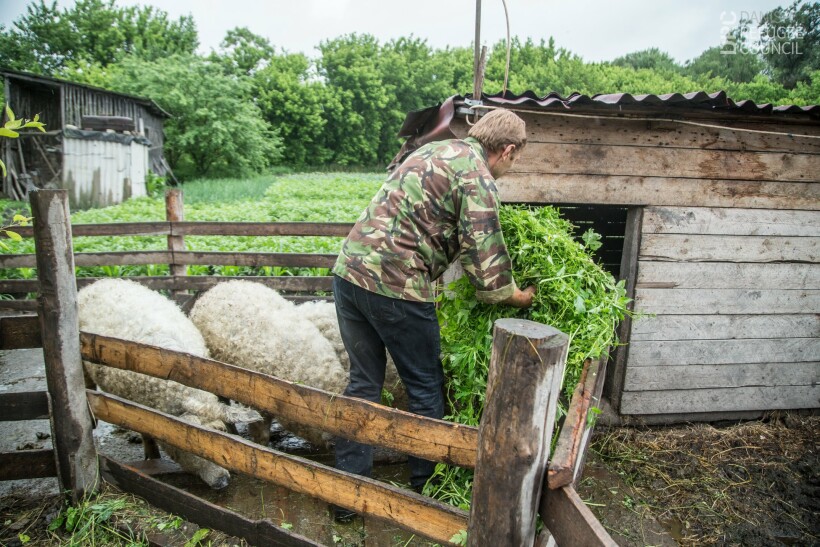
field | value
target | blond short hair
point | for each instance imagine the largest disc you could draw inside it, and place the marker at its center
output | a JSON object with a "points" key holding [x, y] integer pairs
{"points": [[498, 128]]}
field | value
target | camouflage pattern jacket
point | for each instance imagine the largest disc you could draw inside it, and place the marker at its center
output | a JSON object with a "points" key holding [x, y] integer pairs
{"points": [[438, 206]]}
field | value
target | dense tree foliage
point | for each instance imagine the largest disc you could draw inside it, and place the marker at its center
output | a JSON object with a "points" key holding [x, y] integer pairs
{"points": [[47, 39], [250, 104]]}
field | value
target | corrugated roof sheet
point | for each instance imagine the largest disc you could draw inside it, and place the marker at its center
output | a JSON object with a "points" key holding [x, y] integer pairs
{"points": [[696, 100]]}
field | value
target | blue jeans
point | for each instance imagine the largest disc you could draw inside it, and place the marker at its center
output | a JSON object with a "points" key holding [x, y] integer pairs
{"points": [[369, 324]]}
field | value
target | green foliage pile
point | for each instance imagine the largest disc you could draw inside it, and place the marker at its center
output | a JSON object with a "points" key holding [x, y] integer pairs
{"points": [[575, 295]]}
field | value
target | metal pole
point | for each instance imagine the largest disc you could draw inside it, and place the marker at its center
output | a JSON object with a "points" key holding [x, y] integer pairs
{"points": [[477, 61]]}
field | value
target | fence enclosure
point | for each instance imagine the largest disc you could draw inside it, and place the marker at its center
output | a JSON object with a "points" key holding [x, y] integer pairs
{"points": [[532, 357]]}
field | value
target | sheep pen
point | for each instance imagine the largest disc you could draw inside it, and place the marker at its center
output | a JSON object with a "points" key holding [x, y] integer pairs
{"points": [[125, 309]]}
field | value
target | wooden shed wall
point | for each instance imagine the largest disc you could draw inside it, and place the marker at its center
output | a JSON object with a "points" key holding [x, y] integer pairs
{"points": [[724, 248]]}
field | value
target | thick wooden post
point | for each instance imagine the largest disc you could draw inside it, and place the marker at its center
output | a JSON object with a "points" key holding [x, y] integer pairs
{"points": [[174, 213], [524, 382], [71, 421]]}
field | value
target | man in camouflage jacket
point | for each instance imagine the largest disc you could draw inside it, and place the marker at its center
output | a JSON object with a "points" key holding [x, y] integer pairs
{"points": [[440, 205]]}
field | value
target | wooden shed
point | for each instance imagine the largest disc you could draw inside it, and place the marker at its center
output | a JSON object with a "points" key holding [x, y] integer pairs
{"points": [[99, 144], [709, 211]]}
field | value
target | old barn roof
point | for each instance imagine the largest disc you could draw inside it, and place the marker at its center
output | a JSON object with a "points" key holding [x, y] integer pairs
{"points": [[48, 80]]}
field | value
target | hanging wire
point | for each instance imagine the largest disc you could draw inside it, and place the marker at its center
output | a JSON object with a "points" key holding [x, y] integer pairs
{"points": [[509, 46]]}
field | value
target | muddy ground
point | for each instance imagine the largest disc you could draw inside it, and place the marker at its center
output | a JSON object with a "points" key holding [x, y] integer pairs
{"points": [[752, 484]]}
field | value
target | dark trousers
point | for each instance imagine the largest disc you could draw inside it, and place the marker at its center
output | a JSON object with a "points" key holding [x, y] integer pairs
{"points": [[369, 324]]}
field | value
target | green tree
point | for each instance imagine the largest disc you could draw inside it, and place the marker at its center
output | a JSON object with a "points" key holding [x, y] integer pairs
{"points": [[740, 66], [295, 102], [243, 53], [652, 58], [349, 65], [216, 129], [46, 39], [790, 42]]}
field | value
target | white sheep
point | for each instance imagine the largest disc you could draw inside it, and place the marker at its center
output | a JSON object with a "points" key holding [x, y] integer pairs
{"points": [[125, 309], [252, 326]]}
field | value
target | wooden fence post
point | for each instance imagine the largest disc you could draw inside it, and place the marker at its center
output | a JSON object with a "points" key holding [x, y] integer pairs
{"points": [[523, 385], [71, 421], [174, 213]]}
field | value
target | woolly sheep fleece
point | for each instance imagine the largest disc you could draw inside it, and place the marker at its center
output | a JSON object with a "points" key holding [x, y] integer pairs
{"points": [[251, 325], [125, 309]]}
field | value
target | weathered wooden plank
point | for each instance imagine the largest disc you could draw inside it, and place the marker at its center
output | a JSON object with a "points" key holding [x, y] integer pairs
{"points": [[707, 248], [729, 301], [637, 161], [353, 418], [720, 400], [280, 283], [714, 352], [658, 190], [570, 521], [59, 324], [20, 332], [419, 514], [569, 449], [727, 275], [726, 221], [27, 464], [23, 405], [19, 305], [523, 385], [719, 327], [112, 229], [673, 377], [174, 212], [667, 134], [613, 387], [194, 509], [304, 260], [331, 229]]}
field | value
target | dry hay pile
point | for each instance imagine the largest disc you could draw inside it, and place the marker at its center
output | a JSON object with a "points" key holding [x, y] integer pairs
{"points": [[754, 483]]}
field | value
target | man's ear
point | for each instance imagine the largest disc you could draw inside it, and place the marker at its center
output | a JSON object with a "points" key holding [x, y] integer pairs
{"points": [[509, 150]]}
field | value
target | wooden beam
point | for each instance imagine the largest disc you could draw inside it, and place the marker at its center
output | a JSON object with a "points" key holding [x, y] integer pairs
{"points": [[24, 405], [194, 509], [613, 386], [570, 447], [20, 332], [727, 275], [570, 521], [421, 515], [112, 229], [523, 385], [662, 353], [330, 229], [637, 161], [616, 189], [303, 260], [360, 420], [726, 301], [740, 399], [722, 248], [721, 327], [176, 243], [59, 324], [27, 464], [725, 221], [728, 376]]}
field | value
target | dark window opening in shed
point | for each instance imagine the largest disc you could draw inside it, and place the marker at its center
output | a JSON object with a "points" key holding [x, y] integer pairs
{"points": [[609, 221]]}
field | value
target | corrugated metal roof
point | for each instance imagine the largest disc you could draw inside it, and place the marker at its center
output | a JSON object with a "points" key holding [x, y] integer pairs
{"points": [[700, 100]]}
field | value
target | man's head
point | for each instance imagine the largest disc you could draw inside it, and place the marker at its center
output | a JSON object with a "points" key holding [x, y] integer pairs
{"points": [[503, 135]]}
